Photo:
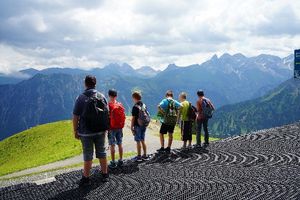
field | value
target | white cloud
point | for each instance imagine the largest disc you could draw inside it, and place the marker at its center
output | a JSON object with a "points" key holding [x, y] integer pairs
{"points": [[44, 33]]}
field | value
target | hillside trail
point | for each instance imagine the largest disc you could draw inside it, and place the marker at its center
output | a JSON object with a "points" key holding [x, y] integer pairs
{"points": [[152, 142]]}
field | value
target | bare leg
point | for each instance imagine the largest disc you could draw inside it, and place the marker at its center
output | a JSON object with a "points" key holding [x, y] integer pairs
{"points": [[144, 147], [112, 152], [138, 147], [184, 144], [162, 140], [103, 164], [190, 143], [170, 140], [120, 151], [87, 168]]}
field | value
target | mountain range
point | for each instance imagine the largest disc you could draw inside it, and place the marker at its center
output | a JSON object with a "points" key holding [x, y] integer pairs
{"points": [[278, 107], [48, 95]]}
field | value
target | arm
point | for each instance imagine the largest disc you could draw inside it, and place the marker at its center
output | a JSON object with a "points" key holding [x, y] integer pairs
{"points": [[160, 109], [75, 126], [212, 105], [132, 124]]}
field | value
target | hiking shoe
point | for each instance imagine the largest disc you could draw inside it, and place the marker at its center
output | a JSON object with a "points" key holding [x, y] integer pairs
{"points": [[120, 163], [197, 146], [168, 150], [205, 145], [161, 150], [145, 157], [112, 165], [84, 182], [105, 178], [137, 159]]}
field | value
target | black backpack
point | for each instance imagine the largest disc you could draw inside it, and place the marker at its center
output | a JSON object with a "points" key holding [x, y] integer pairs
{"points": [[95, 113], [192, 113]]}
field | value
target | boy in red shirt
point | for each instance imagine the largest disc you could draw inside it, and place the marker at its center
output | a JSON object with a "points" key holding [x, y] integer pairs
{"points": [[117, 122]]}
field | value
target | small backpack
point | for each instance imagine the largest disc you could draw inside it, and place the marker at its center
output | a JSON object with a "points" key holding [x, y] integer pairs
{"points": [[144, 116], [192, 113], [170, 117], [95, 113], [117, 116], [207, 109]]}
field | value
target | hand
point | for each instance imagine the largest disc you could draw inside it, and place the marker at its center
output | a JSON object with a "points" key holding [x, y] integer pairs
{"points": [[76, 135], [132, 131]]}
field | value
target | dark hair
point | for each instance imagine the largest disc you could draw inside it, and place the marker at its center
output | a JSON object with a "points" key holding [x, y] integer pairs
{"points": [[200, 93], [90, 81], [183, 95], [137, 95], [112, 93], [169, 93]]}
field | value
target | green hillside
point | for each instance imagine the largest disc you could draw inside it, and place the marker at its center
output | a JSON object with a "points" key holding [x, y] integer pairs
{"points": [[280, 106], [38, 146]]}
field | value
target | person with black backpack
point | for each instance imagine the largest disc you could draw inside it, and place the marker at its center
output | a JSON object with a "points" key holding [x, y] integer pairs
{"points": [[139, 123], [168, 109], [90, 124], [205, 110], [187, 115]]}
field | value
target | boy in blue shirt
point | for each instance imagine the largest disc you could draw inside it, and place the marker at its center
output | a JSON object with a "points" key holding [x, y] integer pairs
{"points": [[168, 108]]}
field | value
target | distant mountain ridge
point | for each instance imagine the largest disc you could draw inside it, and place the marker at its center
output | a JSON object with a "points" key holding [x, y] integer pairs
{"points": [[233, 63], [49, 94], [278, 107]]}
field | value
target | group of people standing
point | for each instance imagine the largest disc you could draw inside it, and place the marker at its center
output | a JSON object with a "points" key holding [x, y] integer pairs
{"points": [[94, 118]]}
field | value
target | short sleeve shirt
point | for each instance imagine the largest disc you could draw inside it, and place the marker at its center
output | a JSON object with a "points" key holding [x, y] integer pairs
{"points": [[184, 110], [135, 112], [165, 103], [78, 111]]}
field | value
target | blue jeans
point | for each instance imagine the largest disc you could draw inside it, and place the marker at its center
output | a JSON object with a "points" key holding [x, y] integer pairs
{"points": [[139, 133], [204, 123], [88, 143], [115, 137]]}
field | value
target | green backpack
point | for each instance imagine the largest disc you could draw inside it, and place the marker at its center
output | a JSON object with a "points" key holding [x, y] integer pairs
{"points": [[170, 117]]}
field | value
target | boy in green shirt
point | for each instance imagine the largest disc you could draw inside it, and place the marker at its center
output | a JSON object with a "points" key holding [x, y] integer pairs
{"points": [[186, 124]]}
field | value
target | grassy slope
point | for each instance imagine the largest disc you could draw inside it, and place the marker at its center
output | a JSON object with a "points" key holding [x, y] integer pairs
{"points": [[44, 144], [37, 146]]}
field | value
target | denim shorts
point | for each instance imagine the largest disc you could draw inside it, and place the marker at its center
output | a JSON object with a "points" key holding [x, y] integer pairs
{"points": [[139, 133], [88, 144], [115, 137]]}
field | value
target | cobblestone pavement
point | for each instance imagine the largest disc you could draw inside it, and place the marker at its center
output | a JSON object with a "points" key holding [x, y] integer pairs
{"points": [[262, 165]]}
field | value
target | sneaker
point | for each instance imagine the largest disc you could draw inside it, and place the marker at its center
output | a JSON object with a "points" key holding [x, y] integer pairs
{"points": [[197, 146], [137, 159], [105, 178], [145, 157], [84, 182], [120, 163], [168, 150], [112, 165], [161, 150], [205, 145]]}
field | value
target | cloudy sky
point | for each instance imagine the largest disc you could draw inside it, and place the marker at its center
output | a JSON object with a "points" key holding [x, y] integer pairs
{"points": [[93, 33]]}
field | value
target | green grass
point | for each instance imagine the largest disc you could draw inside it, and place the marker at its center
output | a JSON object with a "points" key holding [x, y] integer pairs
{"points": [[38, 146], [76, 165], [177, 136]]}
